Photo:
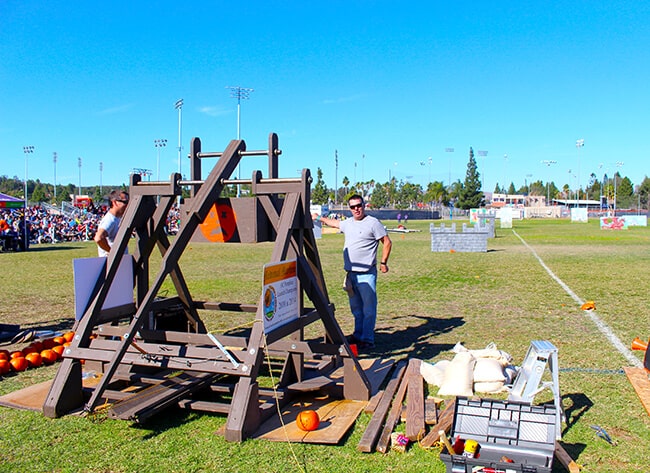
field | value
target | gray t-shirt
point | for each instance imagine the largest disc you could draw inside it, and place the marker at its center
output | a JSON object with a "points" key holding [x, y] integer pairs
{"points": [[361, 242]]}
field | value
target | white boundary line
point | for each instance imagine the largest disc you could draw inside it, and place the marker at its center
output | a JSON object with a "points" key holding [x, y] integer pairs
{"points": [[602, 326]]}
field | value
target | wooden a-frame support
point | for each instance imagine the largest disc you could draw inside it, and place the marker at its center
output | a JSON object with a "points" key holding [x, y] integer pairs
{"points": [[131, 348]]}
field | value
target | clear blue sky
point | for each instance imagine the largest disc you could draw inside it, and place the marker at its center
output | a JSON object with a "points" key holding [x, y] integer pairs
{"points": [[387, 84]]}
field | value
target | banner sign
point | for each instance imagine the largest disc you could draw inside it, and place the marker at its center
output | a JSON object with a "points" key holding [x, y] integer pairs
{"points": [[280, 294]]}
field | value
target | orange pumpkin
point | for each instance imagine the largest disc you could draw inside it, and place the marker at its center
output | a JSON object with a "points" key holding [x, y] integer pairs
{"points": [[59, 340], [49, 357], [34, 360], [58, 350], [37, 345], [17, 354], [19, 363], [49, 343], [307, 420], [68, 336], [4, 355], [5, 367]]}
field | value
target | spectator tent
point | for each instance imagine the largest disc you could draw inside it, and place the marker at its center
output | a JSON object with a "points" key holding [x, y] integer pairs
{"points": [[8, 202]]}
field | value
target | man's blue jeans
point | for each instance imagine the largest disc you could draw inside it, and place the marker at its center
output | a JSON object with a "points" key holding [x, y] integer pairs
{"points": [[363, 304]]}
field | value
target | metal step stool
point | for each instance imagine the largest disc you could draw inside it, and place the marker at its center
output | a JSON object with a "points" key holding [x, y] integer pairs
{"points": [[529, 382]]}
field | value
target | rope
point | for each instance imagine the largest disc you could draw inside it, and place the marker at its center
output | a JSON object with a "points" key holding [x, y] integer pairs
{"points": [[279, 409]]}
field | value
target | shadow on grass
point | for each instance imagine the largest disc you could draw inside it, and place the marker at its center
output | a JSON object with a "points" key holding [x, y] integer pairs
{"points": [[38, 249], [59, 325], [416, 340], [575, 405]]}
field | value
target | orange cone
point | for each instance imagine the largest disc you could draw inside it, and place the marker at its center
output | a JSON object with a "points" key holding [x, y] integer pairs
{"points": [[638, 344]]}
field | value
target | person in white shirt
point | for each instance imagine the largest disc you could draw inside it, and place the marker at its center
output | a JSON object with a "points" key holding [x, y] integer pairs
{"points": [[110, 223]]}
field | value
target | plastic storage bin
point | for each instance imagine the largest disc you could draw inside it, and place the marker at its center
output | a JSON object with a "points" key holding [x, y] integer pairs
{"points": [[517, 431]]}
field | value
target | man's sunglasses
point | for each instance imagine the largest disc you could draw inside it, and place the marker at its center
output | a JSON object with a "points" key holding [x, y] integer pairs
{"points": [[356, 206], [123, 201]]}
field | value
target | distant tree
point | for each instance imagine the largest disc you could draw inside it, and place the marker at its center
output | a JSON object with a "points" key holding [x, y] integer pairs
{"points": [[511, 189], [644, 192], [437, 193], [319, 194], [625, 193], [38, 194], [497, 189], [346, 183], [379, 197], [471, 195]]}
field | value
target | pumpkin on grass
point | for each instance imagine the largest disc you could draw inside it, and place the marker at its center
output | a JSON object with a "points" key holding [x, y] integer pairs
{"points": [[19, 363]]}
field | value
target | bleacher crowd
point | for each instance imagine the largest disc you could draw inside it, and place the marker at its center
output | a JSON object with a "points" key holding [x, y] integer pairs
{"points": [[53, 226]]}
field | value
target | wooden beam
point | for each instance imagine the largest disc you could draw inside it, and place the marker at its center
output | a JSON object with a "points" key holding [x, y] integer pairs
{"points": [[369, 437], [393, 417], [445, 420], [415, 401]]}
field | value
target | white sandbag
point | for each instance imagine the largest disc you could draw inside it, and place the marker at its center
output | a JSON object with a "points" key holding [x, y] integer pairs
{"points": [[434, 374], [490, 351], [493, 387], [488, 370], [459, 377]]}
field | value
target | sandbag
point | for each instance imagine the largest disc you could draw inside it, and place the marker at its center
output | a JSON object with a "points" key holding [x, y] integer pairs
{"points": [[459, 376]]}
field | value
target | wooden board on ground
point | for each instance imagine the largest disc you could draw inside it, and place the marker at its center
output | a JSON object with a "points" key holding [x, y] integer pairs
{"points": [[639, 379], [337, 416], [32, 397]]}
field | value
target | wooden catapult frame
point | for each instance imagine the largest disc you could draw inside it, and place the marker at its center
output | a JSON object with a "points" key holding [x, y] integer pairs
{"points": [[172, 366]]}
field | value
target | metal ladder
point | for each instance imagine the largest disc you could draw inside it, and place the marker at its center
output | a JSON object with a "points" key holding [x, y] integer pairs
{"points": [[528, 382]]}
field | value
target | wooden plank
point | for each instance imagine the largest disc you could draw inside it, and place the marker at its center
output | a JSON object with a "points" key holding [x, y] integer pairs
{"points": [[445, 421], [393, 417], [415, 402], [639, 379], [566, 460], [336, 419], [430, 412], [369, 437], [155, 398], [374, 402]]}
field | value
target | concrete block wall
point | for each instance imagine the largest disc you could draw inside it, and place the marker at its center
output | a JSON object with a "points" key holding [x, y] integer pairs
{"points": [[469, 240]]}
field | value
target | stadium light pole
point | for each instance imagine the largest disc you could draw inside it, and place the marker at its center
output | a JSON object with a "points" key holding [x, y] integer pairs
{"points": [[336, 177], [484, 155], [54, 159], [579, 144], [27, 150], [239, 93], [548, 163], [449, 150], [161, 143], [618, 165], [179, 106], [505, 167], [101, 172], [79, 164]]}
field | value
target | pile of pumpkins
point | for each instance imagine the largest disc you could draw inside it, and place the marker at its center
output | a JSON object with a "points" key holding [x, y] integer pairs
{"points": [[37, 353]]}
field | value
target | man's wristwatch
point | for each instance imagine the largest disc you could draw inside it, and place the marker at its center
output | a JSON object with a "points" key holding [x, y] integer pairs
{"points": [[384, 263]]}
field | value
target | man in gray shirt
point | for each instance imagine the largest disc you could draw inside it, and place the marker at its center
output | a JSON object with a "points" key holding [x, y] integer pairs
{"points": [[362, 236]]}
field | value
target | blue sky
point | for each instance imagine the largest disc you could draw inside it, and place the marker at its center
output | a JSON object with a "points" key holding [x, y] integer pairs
{"points": [[385, 84]]}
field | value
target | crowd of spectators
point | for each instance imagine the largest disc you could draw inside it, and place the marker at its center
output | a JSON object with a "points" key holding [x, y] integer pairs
{"points": [[53, 226]]}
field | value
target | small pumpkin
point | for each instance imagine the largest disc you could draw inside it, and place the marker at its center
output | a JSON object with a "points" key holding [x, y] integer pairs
{"points": [[307, 420]]}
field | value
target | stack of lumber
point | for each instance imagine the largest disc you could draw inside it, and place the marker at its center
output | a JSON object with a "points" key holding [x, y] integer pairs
{"points": [[406, 384]]}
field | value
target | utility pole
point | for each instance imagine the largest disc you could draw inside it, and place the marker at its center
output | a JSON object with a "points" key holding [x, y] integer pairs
{"points": [[179, 106]]}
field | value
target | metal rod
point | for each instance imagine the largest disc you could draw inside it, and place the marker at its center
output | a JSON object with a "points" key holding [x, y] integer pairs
{"points": [[218, 154], [227, 182]]}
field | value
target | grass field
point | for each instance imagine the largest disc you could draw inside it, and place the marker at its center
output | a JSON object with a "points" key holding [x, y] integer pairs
{"points": [[428, 303]]}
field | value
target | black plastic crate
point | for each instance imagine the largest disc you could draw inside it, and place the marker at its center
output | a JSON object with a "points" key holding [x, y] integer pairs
{"points": [[521, 432]]}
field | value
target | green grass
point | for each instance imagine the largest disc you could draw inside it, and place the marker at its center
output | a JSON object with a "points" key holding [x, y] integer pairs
{"points": [[428, 302]]}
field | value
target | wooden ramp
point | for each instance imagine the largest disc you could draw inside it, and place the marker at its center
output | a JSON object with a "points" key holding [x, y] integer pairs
{"points": [[639, 379], [337, 416]]}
